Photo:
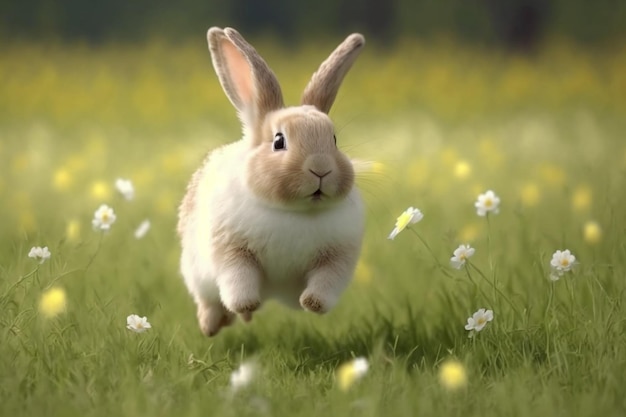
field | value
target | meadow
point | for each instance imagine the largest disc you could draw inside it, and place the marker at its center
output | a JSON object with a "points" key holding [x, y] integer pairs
{"points": [[431, 125]]}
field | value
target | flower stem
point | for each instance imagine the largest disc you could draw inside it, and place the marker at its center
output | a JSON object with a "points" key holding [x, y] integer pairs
{"points": [[497, 291], [491, 268], [476, 286], [18, 282], [439, 264], [94, 254], [57, 278], [550, 307], [572, 297]]}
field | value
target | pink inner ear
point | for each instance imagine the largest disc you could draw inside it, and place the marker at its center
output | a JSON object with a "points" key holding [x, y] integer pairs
{"points": [[239, 71]]}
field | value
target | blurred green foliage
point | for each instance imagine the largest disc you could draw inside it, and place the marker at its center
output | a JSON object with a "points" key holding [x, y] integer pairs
{"points": [[512, 22], [431, 124], [159, 86]]}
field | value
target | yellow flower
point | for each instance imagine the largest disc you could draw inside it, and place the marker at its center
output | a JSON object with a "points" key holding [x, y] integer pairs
{"points": [[468, 233], [374, 167], [27, 220], [166, 202], [100, 190], [77, 162], [462, 170], [592, 232], [409, 216], [62, 179], [449, 156], [552, 174], [72, 230], [418, 173], [363, 273], [581, 200], [143, 177], [53, 302], [490, 153], [378, 167], [172, 163], [350, 372], [530, 195], [452, 375]]}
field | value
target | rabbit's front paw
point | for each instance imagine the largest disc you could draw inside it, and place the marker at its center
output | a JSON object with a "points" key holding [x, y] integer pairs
{"points": [[243, 305], [240, 290], [313, 302]]}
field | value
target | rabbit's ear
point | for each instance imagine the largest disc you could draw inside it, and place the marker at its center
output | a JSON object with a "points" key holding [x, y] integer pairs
{"points": [[322, 89], [246, 78]]}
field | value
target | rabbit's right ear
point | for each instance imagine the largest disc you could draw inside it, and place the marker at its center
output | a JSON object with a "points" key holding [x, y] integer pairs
{"points": [[247, 80], [324, 85]]}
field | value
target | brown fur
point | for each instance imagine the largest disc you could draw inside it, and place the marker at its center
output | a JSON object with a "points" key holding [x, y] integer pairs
{"points": [[310, 146], [324, 85]]}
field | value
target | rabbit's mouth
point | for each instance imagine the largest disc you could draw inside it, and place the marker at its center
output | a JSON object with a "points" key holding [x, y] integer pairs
{"points": [[317, 195]]}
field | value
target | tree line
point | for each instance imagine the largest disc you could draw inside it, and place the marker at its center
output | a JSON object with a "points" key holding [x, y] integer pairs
{"points": [[514, 23]]}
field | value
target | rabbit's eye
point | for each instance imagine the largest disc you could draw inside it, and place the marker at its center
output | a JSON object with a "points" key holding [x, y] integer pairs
{"points": [[280, 143]]}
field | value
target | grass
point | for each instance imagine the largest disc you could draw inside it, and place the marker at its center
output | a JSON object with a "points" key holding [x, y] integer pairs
{"points": [[73, 120]]}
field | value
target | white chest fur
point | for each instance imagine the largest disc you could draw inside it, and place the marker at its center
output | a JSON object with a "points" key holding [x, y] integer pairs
{"points": [[284, 242]]}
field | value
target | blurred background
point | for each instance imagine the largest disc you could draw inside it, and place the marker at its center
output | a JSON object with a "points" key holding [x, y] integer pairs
{"points": [[517, 24], [445, 96], [448, 99]]}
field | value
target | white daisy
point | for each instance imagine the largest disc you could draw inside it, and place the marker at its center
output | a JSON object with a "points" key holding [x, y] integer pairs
{"points": [[461, 254], [555, 275], [486, 203], [360, 366], [40, 254], [563, 261], [137, 324], [125, 187], [410, 216], [242, 377], [142, 229], [103, 218], [479, 320]]}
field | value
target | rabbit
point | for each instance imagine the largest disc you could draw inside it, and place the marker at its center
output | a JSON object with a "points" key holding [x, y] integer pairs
{"points": [[276, 214]]}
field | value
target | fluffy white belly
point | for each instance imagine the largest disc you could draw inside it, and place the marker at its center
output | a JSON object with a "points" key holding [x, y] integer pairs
{"points": [[285, 242]]}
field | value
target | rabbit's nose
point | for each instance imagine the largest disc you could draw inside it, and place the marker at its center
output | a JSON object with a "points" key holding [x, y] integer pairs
{"points": [[319, 165], [318, 174]]}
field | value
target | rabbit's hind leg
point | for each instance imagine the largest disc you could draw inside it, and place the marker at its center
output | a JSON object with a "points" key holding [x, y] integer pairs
{"points": [[213, 316]]}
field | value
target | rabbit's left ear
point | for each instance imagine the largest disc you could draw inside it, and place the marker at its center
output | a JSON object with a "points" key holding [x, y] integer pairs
{"points": [[247, 80], [324, 85]]}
